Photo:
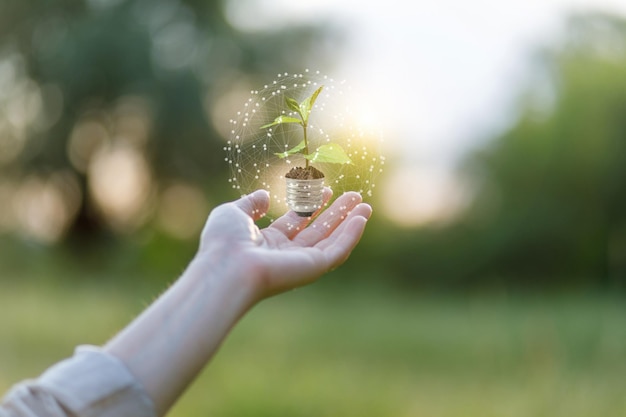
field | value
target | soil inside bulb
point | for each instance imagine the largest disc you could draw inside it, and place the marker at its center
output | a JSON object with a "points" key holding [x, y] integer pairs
{"points": [[308, 173]]}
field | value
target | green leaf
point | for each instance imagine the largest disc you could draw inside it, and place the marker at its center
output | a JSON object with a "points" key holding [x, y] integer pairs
{"points": [[331, 153], [307, 104], [281, 120], [293, 105], [291, 151]]}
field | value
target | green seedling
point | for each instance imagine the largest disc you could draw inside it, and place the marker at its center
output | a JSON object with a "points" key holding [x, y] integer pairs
{"points": [[329, 152]]}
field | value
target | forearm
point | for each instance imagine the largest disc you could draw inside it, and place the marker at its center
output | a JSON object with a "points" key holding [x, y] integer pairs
{"points": [[171, 341]]}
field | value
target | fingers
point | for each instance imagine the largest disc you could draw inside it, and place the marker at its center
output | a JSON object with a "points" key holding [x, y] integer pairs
{"points": [[254, 204], [291, 224], [362, 210], [331, 218], [340, 244], [296, 266], [308, 263]]}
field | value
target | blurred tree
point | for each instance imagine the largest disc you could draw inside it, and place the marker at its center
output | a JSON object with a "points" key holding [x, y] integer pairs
{"points": [[553, 203], [550, 207], [104, 102]]}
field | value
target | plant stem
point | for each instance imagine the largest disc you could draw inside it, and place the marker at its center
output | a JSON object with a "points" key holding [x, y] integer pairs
{"points": [[306, 144]]}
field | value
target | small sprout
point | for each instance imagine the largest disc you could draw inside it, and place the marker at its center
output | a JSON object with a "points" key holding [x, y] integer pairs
{"points": [[329, 152]]}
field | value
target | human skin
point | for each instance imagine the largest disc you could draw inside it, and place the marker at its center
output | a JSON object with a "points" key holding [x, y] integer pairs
{"points": [[237, 265]]}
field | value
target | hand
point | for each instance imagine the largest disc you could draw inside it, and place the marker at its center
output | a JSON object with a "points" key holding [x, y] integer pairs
{"points": [[288, 253]]}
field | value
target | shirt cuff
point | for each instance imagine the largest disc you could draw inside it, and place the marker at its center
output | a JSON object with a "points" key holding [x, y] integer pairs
{"points": [[94, 383]]}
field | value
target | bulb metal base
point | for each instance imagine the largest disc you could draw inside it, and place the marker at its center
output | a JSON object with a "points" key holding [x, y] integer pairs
{"points": [[305, 197]]}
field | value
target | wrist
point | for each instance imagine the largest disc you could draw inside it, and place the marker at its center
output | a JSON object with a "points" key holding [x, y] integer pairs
{"points": [[218, 272]]}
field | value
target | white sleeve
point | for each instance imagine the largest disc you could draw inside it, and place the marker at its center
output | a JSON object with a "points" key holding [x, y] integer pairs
{"points": [[91, 383]]}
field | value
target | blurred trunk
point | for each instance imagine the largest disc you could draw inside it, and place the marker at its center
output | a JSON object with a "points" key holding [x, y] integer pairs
{"points": [[87, 228]]}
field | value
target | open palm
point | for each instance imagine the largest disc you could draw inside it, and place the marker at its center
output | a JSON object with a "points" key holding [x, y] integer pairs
{"points": [[288, 253]]}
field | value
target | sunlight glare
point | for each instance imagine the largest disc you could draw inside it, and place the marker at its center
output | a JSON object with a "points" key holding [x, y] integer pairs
{"points": [[182, 210], [45, 207], [121, 184], [415, 197]]}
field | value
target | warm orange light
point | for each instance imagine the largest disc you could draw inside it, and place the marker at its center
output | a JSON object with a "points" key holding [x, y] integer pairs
{"points": [[120, 183], [414, 196], [45, 207], [183, 210]]}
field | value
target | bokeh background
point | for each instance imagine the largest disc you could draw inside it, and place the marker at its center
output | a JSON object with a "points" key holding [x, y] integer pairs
{"points": [[491, 279]]}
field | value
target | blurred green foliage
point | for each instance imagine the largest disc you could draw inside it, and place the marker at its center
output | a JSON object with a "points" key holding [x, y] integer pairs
{"points": [[175, 55], [550, 204], [137, 79]]}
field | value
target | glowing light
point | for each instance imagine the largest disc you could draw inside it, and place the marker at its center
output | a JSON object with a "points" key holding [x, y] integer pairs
{"points": [[182, 210], [220, 107], [45, 207], [413, 196], [120, 183], [21, 107]]}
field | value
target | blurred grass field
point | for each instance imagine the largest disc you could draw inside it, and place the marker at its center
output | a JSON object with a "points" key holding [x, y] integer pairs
{"points": [[331, 350]]}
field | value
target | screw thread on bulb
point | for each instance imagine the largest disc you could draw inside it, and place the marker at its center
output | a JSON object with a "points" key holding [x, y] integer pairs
{"points": [[305, 197]]}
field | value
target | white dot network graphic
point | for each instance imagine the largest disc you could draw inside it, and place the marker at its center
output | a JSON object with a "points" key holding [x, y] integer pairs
{"points": [[251, 151]]}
